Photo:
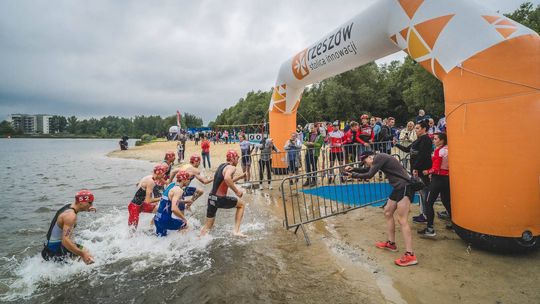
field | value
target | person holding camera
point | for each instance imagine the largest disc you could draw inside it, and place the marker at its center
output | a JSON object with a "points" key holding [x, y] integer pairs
{"points": [[398, 201]]}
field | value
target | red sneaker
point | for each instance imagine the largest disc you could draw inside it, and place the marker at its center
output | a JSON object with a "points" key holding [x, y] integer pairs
{"points": [[386, 245], [408, 259]]}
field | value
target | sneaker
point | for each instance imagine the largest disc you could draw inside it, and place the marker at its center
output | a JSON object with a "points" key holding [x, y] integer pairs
{"points": [[270, 187], [306, 183], [443, 215], [386, 245], [427, 232], [408, 259], [420, 219]]}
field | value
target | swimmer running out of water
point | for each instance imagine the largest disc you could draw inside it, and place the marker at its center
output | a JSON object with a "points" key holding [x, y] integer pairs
{"points": [[193, 169], [147, 194], [59, 245], [170, 213], [223, 180]]}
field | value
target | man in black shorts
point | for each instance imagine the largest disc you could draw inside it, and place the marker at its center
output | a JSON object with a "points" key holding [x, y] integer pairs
{"points": [[223, 180], [399, 200]]}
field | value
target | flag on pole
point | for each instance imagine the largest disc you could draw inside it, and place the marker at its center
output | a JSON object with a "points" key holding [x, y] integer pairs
{"points": [[178, 117]]}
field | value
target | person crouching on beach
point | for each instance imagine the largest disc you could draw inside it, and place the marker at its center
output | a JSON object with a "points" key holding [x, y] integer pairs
{"points": [[59, 246], [223, 180], [170, 213], [399, 200], [147, 194]]}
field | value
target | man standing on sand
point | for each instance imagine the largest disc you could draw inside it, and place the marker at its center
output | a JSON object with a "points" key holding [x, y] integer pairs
{"points": [[59, 246], [223, 180]]}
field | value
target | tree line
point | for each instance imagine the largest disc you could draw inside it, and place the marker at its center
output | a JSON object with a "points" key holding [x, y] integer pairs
{"points": [[111, 126], [398, 89]]}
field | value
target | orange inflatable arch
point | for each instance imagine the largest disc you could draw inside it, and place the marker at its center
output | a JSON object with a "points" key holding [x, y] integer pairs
{"points": [[490, 69]]}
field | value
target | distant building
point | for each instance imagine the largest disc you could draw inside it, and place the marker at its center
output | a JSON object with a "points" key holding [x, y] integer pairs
{"points": [[31, 124]]}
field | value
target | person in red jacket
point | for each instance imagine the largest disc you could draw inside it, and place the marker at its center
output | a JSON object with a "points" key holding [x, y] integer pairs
{"points": [[336, 149], [352, 141], [205, 147], [440, 183], [366, 134]]}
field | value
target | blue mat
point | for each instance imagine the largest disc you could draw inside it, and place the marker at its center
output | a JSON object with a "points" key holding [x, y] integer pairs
{"points": [[355, 194]]}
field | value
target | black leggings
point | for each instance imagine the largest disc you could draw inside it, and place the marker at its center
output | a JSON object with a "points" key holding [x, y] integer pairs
{"points": [[268, 164], [440, 184]]}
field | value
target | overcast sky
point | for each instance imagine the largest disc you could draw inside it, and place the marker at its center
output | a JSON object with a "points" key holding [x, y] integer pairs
{"points": [[126, 58]]}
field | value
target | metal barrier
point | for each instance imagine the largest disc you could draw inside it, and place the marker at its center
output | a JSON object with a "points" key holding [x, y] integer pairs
{"points": [[317, 195], [259, 165]]}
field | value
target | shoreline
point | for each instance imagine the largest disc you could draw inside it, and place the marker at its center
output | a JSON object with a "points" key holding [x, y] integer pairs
{"points": [[449, 270]]}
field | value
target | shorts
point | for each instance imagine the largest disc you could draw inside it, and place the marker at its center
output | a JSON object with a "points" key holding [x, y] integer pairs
{"points": [[135, 210], [336, 155], [189, 191], [223, 202], [171, 224], [246, 160], [398, 194], [60, 255]]}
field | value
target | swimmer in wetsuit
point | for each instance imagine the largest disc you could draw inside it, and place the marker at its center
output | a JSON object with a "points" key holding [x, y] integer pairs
{"points": [[223, 180], [193, 169], [59, 246], [170, 213], [148, 187]]}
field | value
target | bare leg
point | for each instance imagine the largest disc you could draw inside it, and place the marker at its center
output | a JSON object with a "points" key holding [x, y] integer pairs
{"points": [[403, 208], [238, 219], [197, 194], [389, 210], [208, 225]]}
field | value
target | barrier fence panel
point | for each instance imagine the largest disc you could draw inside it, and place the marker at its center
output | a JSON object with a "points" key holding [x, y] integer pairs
{"points": [[324, 193], [303, 161]]}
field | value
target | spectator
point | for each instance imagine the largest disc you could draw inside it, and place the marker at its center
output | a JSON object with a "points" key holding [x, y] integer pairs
{"points": [[293, 147], [205, 146], [351, 140], [421, 116], [226, 136], [441, 125], [431, 128], [376, 126], [314, 141], [407, 135], [245, 150], [440, 183], [336, 150], [385, 136], [266, 146], [420, 151], [366, 134], [197, 137]]}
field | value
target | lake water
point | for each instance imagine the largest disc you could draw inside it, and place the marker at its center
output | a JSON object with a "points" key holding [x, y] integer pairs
{"points": [[38, 176]]}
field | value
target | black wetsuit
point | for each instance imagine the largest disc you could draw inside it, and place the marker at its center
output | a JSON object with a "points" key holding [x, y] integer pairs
{"points": [[53, 249], [221, 201]]}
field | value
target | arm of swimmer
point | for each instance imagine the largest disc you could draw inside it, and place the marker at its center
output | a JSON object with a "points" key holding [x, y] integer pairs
{"points": [[175, 199], [173, 174], [67, 230], [203, 179], [239, 177], [228, 178]]}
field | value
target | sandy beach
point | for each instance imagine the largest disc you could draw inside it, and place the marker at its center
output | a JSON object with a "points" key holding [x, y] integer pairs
{"points": [[449, 271]]}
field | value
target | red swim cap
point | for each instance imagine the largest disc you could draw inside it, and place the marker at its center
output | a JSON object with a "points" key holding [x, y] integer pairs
{"points": [[182, 175], [231, 154], [84, 196], [194, 158]]}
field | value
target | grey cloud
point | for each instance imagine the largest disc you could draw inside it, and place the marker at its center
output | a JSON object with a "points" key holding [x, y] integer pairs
{"points": [[128, 58]]}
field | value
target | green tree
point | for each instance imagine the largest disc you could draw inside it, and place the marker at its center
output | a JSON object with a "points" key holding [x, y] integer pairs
{"points": [[6, 128], [527, 15], [72, 124]]}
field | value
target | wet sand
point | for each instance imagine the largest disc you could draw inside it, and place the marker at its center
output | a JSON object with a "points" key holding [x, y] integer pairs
{"points": [[449, 271]]}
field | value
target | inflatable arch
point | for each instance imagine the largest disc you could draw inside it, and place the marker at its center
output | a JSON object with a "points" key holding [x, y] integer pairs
{"points": [[490, 69]]}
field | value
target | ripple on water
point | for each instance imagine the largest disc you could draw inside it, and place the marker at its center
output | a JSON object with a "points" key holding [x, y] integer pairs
{"points": [[44, 210]]}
